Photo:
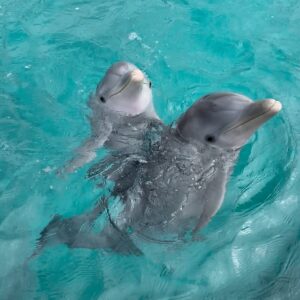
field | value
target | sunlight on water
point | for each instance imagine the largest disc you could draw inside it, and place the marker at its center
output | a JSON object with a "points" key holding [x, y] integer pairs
{"points": [[53, 54]]}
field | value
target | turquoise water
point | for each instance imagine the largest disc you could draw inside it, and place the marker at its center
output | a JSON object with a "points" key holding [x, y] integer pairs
{"points": [[53, 54]]}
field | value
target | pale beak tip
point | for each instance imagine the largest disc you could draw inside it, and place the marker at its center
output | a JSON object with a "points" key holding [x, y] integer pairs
{"points": [[137, 75], [270, 105], [276, 106]]}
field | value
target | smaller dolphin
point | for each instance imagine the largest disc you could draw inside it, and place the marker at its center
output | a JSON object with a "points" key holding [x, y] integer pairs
{"points": [[121, 104], [180, 183]]}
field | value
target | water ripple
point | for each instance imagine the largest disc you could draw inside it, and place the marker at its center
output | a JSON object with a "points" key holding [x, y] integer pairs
{"points": [[52, 56]]}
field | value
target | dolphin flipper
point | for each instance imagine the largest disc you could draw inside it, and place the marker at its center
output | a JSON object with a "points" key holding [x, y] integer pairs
{"points": [[86, 152], [72, 232], [65, 230], [110, 238]]}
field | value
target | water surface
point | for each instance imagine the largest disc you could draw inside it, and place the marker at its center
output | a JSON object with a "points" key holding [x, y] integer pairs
{"points": [[53, 54]]}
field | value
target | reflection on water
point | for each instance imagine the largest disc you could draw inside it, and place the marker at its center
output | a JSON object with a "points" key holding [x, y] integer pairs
{"points": [[53, 55]]}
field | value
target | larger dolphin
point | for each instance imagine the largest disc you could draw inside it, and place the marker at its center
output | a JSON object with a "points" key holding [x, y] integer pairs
{"points": [[178, 183]]}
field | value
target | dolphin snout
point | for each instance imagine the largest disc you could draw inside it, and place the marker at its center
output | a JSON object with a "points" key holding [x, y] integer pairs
{"points": [[137, 75], [254, 115], [270, 105]]}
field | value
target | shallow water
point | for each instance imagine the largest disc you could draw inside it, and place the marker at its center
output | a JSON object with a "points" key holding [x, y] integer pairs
{"points": [[52, 55]]}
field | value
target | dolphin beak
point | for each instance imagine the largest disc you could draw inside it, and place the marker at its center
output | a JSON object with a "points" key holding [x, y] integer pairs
{"points": [[254, 115], [135, 76]]}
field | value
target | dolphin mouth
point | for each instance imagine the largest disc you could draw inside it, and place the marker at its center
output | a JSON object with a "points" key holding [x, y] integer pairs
{"points": [[257, 114], [133, 76]]}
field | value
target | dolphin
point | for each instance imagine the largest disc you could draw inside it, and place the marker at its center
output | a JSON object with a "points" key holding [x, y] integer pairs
{"points": [[177, 182], [121, 103]]}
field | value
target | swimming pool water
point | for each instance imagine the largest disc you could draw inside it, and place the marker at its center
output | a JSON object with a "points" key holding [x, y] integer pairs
{"points": [[53, 54]]}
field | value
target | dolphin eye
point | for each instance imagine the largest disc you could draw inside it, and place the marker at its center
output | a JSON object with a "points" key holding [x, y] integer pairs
{"points": [[210, 138], [102, 99], [150, 84]]}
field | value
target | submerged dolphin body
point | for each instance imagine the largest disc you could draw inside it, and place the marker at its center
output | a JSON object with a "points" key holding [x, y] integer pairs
{"points": [[121, 104], [178, 182]]}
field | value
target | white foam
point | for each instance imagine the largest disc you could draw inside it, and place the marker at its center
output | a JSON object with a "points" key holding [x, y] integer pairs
{"points": [[134, 36], [48, 169]]}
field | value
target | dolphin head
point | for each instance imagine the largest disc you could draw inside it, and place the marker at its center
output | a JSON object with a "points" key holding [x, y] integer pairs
{"points": [[225, 120], [125, 89]]}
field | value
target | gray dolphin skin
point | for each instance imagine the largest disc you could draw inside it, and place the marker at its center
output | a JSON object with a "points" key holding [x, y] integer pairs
{"points": [[177, 182], [122, 101]]}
